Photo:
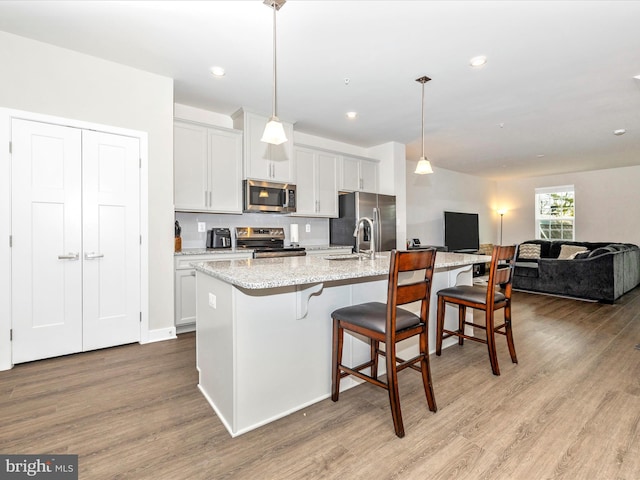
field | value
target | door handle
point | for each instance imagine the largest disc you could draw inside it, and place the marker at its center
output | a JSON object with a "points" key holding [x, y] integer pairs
{"points": [[69, 256], [93, 255]]}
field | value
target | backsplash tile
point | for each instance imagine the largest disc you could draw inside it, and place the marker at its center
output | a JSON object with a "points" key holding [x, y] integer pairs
{"points": [[319, 234]]}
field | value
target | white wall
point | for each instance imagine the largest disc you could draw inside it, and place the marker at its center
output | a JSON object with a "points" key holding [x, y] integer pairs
{"points": [[40, 78], [392, 181], [428, 196], [607, 205]]}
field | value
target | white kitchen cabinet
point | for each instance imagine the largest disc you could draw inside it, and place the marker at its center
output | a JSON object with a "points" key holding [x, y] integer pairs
{"points": [[358, 174], [207, 168], [185, 285], [317, 186], [263, 161]]}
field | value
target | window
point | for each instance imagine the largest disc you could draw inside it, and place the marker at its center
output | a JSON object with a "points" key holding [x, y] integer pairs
{"points": [[555, 213]]}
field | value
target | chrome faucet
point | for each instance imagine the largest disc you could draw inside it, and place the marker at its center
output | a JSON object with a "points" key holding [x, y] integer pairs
{"points": [[372, 251]]}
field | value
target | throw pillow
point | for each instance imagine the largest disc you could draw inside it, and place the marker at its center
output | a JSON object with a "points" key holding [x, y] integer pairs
{"points": [[566, 251], [575, 255], [529, 250]]}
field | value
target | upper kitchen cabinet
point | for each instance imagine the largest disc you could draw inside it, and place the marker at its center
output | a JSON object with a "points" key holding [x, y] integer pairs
{"points": [[263, 161], [317, 186], [358, 175], [207, 168]]}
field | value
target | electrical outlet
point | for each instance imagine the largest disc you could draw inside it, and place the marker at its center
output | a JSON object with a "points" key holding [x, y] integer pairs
{"points": [[307, 228], [212, 300], [202, 227]]}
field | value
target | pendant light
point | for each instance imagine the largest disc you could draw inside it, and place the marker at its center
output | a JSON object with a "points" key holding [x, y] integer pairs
{"points": [[274, 131], [424, 166]]}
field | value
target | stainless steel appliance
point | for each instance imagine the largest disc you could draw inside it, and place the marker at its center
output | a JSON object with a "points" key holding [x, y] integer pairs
{"points": [[266, 242], [381, 209], [269, 197], [219, 238]]}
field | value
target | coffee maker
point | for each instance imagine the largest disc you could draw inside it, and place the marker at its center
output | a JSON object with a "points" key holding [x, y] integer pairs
{"points": [[219, 238]]}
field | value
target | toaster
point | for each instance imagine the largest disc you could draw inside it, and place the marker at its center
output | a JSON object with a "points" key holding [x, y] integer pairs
{"points": [[219, 238]]}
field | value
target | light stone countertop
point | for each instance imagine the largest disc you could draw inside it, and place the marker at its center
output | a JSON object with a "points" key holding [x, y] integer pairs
{"points": [[208, 251], [226, 251], [264, 273]]}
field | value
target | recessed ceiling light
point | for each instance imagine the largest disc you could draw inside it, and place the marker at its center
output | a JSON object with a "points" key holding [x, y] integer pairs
{"points": [[351, 115], [637, 77], [620, 131], [217, 71], [478, 61], [540, 155]]}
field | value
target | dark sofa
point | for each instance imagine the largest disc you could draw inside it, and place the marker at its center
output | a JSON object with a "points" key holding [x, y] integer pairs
{"points": [[602, 272]]}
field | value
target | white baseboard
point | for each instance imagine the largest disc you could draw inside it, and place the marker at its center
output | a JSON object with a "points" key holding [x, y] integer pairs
{"points": [[189, 327], [160, 335]]}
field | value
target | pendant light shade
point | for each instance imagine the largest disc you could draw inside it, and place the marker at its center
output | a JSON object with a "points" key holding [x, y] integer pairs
{"points": [[274, 130], [424, 166]]}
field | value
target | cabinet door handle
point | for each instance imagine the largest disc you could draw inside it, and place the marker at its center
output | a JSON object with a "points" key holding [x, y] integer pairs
{"points": [[69, 256], [206, 204], [210, 197], [93, 255], [193, 274]]}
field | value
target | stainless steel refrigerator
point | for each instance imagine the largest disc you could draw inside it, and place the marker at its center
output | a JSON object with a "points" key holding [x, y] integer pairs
{"points": [[381, 209]]}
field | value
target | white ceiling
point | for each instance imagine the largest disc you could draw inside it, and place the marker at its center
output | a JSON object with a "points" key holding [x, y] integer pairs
{"points": [[559, 78]]}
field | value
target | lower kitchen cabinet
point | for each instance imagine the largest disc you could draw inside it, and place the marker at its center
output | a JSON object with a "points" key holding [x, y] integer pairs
{"points": [[185, 286]]}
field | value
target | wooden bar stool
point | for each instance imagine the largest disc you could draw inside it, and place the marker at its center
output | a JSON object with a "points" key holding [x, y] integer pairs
{"points": [[388, 324], [481, 298]]}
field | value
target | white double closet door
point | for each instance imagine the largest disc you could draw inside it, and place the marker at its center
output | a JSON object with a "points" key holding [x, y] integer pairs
{"points": [[75, 218]]}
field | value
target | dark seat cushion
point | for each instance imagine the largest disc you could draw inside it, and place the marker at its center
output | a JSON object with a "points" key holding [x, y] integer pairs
{"points": [[373, 315], [476, 294]]}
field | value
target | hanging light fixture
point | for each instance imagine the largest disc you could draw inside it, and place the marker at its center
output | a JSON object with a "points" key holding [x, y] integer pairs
{"points": [[274, 131], [424, 166]]}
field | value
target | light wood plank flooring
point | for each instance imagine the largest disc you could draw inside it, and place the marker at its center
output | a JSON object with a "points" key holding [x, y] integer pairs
{"points": [[570, 409]]}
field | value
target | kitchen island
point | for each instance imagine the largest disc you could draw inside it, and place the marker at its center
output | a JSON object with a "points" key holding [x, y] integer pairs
{"points": [[264, 328]]}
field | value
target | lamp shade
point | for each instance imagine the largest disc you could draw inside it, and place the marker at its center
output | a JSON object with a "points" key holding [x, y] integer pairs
{"points": [[423, 167], [274, 132]]}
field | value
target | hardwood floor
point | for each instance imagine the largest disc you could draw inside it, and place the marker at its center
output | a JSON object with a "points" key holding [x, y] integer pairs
{"points": [[570, 409]]}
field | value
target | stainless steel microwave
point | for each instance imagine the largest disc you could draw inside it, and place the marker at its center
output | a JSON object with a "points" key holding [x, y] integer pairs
{"points": [[269, 197]]}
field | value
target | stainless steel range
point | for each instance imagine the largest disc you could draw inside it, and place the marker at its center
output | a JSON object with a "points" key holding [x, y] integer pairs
{"points": [[266, 242]]}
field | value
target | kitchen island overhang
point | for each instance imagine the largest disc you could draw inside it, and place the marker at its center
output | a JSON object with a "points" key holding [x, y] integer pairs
{"points": [[264, 328]]}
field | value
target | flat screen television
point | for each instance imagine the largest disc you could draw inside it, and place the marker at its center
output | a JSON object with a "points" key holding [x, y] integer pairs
{"points": [[461, 232]]}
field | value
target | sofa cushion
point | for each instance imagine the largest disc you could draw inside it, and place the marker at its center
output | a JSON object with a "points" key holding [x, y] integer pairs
{"points": [[580, 255], [529, 251], [567, 252]]}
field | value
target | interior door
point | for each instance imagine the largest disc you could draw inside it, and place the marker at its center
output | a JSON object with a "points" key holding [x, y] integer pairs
{"points": [[111, 239], [46, 273]]}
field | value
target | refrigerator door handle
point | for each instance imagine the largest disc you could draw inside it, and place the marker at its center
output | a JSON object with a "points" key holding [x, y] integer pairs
{"points": [[377, 230]]}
